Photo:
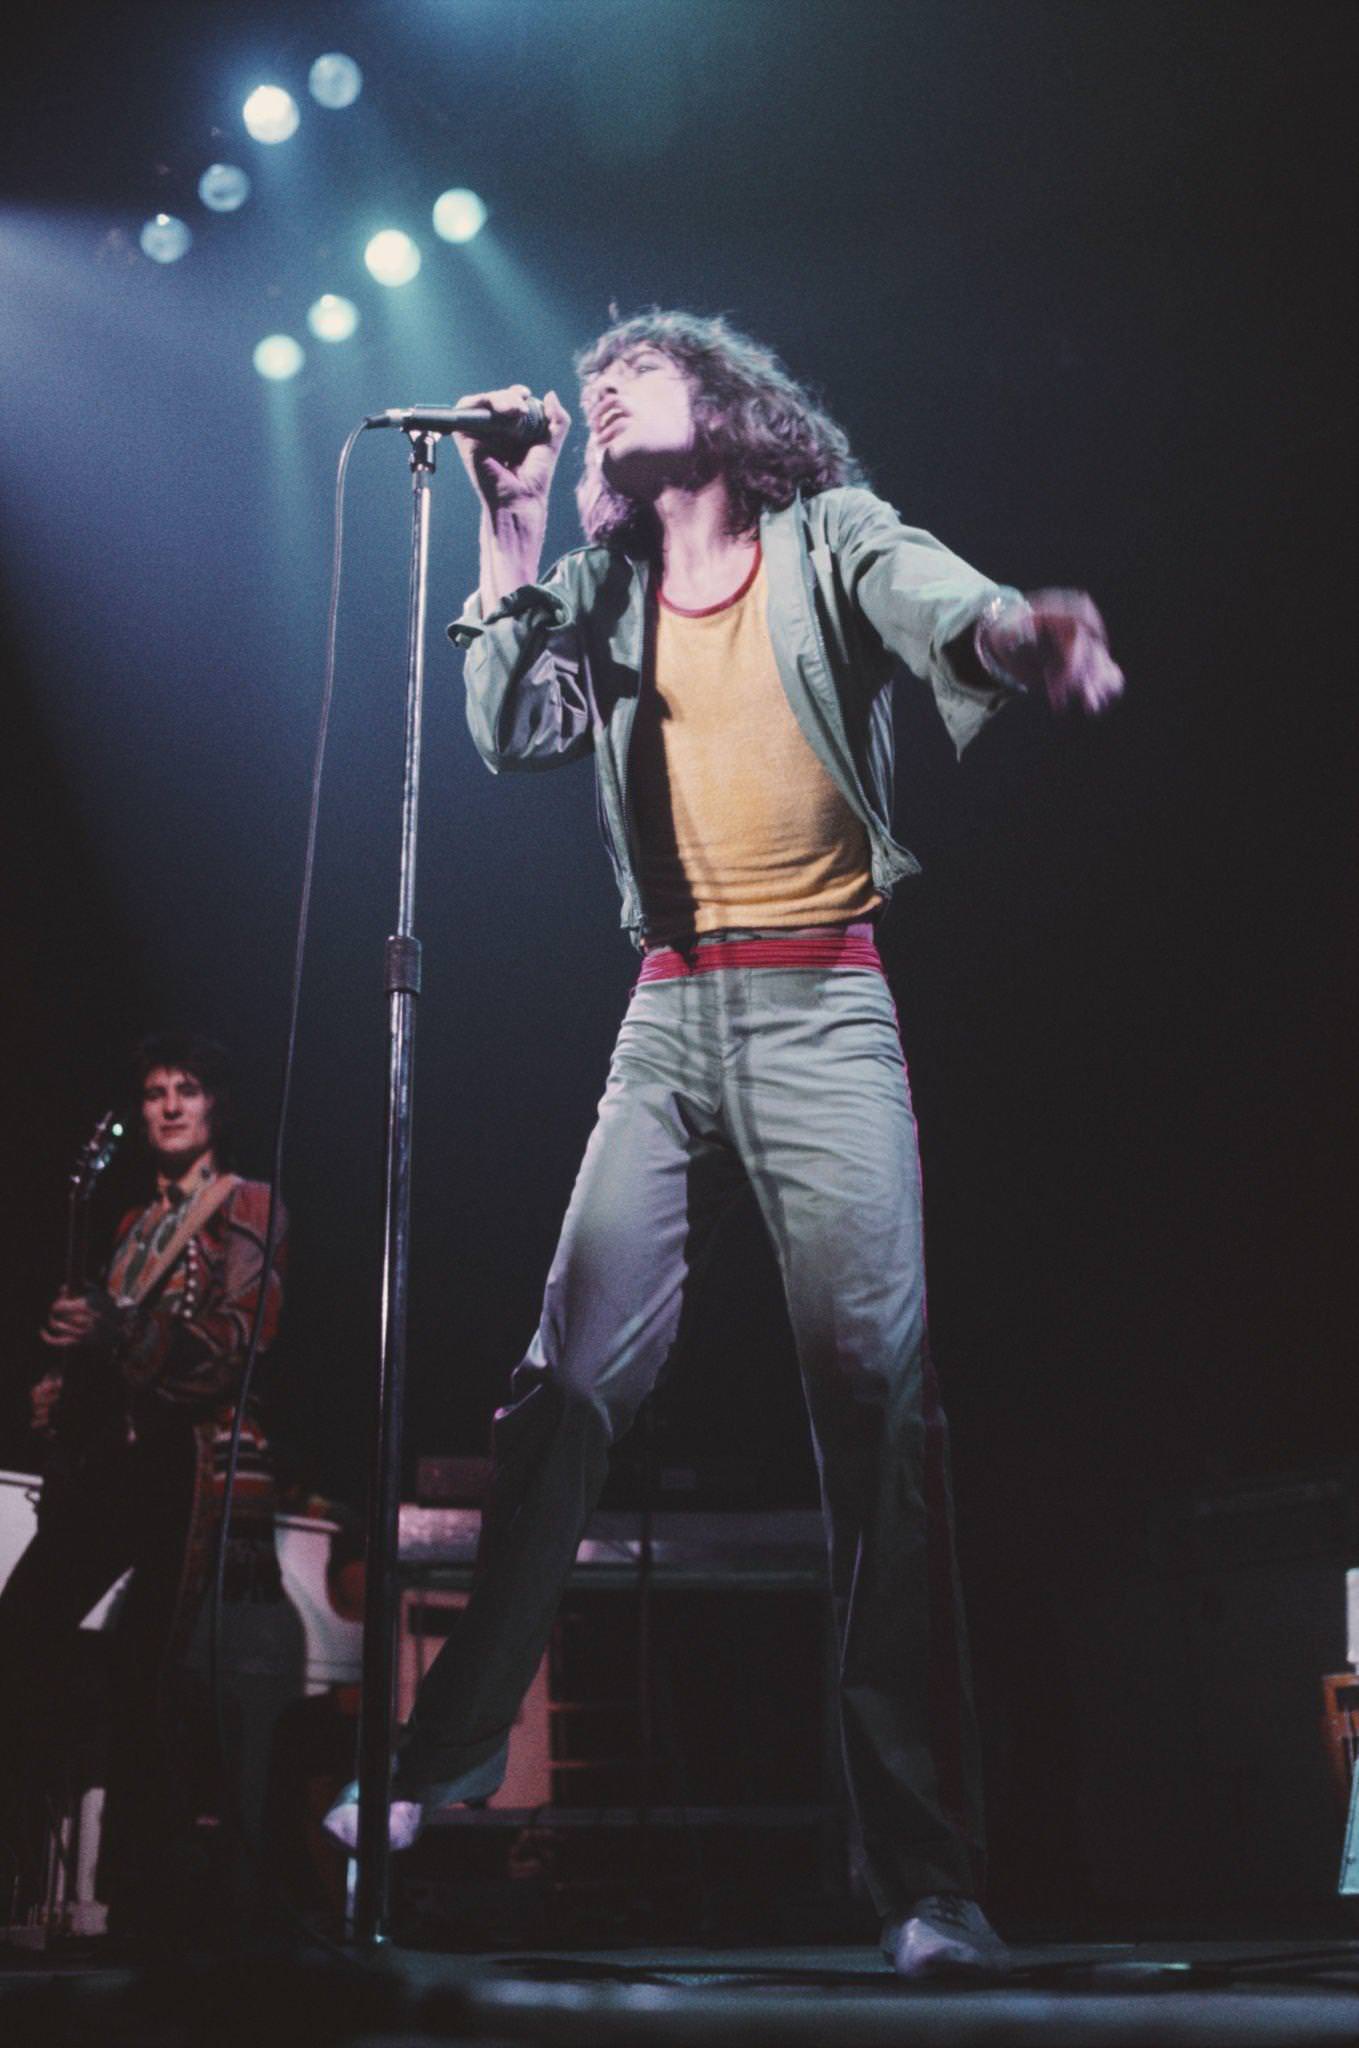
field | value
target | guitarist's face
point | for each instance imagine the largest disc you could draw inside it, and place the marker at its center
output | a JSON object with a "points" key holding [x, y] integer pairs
{"points": [[177, 1115]]}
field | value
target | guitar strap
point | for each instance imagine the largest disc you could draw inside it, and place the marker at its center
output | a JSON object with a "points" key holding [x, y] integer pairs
{"points": [[205, 1203]]}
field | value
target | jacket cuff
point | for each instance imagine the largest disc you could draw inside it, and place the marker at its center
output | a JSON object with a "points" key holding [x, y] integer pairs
{"points": [[1006, 604], [536, 602], [971, 622]]}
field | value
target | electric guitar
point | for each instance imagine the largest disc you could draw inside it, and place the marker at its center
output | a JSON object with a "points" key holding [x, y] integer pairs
{"points": [[90, 1402]]}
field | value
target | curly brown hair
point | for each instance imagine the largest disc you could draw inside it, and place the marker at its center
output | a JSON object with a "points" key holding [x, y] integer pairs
{"points": [[753, 424]]}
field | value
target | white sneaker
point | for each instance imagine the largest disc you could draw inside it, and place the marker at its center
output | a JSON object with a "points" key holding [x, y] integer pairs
{"points": [[405, 1819], [945, 1935]]}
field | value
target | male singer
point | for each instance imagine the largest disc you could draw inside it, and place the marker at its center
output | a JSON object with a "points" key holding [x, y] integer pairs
{"points": [[723, 646]]}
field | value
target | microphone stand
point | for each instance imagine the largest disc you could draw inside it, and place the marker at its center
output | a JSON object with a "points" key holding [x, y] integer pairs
{"points": [[402, 982]]}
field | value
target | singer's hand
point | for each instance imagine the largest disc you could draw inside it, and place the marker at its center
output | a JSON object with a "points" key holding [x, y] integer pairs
{"points": [[1058, 646], [513, 480]]}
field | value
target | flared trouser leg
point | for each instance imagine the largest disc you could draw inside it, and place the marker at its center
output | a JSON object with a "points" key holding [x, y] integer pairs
{"points": [[653, 1180], [819, 1105]]}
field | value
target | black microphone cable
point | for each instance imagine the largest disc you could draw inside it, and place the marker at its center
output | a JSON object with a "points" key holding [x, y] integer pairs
{"points": [[232, 1812]]}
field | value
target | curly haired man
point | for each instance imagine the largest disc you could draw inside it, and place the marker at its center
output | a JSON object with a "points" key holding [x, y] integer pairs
{"points": [[723, 648]]}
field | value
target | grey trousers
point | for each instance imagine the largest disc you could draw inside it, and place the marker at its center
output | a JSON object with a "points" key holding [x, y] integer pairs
{"points": [[791, 1079]]}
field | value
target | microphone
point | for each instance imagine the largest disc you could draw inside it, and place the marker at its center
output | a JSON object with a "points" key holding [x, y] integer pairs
{"points": [[520, 429]]}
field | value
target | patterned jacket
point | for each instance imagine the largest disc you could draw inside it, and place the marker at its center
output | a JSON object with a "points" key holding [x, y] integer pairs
{"points": [[185, 1345]]}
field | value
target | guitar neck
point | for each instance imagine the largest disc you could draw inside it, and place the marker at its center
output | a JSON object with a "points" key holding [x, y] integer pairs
{"points": [[77, 1240], [93, 1157]]}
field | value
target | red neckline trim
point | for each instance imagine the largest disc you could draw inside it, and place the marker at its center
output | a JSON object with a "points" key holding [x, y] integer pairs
{"points": [[706, 611]]}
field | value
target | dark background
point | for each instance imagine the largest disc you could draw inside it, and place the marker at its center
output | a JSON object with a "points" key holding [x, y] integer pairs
{"points": [[1079, 281]]}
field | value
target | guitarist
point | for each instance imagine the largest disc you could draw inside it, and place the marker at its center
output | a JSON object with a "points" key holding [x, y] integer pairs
{"points": [[137, 1404]]}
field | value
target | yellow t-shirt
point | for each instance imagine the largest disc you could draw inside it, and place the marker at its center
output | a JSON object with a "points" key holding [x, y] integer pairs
{"points": [[740, 826]]}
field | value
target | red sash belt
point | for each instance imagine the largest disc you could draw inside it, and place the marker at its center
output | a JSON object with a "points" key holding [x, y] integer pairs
{"points": [[836, 949]]}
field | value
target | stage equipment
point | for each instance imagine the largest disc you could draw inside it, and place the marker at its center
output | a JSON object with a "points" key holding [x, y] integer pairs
{"points": [[332, 318], [165, 238], [278, 357], [65, 1896], [428, 1617], [402, 978], [1196, 1670], [519, 429], [754, 1557], [459, 215], [333, 1642], [694, 1764], [91, 1406], [392, 257], [223, 187], [1349, 1862], [1341, 1718], [335, 80], [270, 114], [452, 1482], [422, 426]]}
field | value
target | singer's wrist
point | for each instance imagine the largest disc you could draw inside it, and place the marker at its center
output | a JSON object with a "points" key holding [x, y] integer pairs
{"points": [[511, 549], [1003, 636], [516, 528]]}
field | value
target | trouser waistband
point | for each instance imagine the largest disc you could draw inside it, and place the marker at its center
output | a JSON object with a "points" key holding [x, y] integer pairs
{"points": [[851, 946]]}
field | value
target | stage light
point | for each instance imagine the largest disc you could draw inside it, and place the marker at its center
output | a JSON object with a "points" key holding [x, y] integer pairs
{"points": [[223, 188], [164, 238], [333, 318], [278, 357], [335, 81], [458, 215], [392, 257], [270, 114]]}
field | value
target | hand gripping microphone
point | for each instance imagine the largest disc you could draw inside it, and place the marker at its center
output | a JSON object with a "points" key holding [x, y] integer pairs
{"points": [[519, 429]]}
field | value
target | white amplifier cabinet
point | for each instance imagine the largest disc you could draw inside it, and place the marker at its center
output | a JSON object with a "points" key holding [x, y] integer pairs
{"points": [[334, 1641], [18, 1522]]}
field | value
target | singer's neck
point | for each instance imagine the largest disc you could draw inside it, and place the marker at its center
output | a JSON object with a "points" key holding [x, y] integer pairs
{"points": [[702, 560]]}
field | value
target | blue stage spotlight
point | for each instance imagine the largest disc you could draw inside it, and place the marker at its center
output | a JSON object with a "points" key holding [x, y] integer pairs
{"points": [[334, 80], [270, 114], [223, 187], [164, 238], [332, 318], [278, 357], [458, 215], [392, 257]]}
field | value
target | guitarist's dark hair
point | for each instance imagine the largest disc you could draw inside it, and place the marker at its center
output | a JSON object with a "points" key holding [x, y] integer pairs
{"points": [[209, 1063]]}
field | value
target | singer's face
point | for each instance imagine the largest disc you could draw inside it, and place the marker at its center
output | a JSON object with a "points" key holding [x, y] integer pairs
{"points": [[640, 413], [177, 1115]]}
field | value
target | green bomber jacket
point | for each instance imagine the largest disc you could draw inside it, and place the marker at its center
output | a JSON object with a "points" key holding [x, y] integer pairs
{"points": [[555, 670]]}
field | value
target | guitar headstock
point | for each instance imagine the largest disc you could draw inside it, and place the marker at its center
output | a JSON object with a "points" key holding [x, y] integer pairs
{"points": [[95, 1154]]}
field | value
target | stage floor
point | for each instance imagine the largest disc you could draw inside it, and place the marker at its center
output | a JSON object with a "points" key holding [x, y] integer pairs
{"points": [[1288, 1994]]}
